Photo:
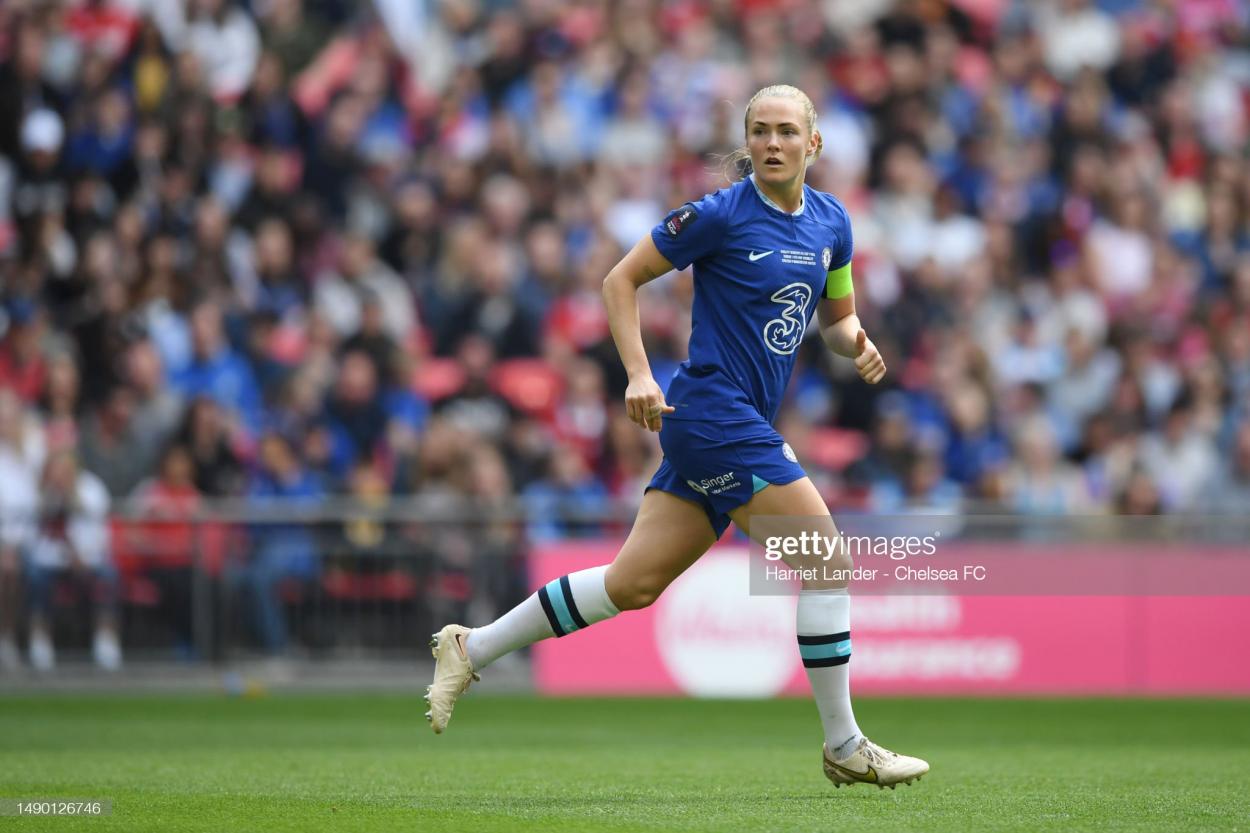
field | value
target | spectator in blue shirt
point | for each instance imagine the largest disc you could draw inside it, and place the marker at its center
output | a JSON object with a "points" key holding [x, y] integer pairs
{"points": [[561, 504], [281, 551], [216, 370]]}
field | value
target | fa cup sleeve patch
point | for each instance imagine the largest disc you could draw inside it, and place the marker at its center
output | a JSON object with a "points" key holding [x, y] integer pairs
{"points": [[680, 219]]}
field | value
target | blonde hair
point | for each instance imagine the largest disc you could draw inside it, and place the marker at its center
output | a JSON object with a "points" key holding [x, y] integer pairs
{"points": [[732, 164]]}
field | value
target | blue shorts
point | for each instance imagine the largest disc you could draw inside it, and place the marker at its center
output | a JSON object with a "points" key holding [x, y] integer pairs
{"points": [[721, 465]]}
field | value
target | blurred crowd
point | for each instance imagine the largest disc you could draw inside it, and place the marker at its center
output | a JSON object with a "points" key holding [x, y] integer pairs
{"points": [[285, 249]]}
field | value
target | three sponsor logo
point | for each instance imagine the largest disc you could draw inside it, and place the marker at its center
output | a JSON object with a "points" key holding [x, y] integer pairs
{"points": [[783, 334]]}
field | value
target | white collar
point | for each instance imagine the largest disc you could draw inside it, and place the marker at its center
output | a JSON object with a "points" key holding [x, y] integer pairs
{"points": [[768, 201]]}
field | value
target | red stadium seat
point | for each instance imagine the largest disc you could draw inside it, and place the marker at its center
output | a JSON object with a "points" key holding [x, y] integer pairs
{"points": [[391, 586], [835, 448], [437, 379], [452, 586], [531, 385], [140, 591]]}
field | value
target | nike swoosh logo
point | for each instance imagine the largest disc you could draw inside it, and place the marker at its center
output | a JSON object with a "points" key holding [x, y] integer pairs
{"points": [[869, 777], [754, 257]]}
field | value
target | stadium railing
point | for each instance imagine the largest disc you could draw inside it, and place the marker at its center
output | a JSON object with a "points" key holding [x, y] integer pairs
{"points": [[343, 579]]}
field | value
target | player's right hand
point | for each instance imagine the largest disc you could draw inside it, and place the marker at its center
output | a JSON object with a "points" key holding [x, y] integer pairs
{"points": [[644, 403]]}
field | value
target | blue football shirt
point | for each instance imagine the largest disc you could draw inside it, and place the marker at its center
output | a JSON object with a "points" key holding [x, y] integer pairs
{"points": [[758, 274]]}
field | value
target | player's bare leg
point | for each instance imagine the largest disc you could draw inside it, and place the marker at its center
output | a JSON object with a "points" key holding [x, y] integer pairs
{"points": [[824, 636], [668, 536]]}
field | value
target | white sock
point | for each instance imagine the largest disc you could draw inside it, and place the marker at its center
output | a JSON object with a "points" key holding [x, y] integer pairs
{"points": [[560, 607], [824, 630]]}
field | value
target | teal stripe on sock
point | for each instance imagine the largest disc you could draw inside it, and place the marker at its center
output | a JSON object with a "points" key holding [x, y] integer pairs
{"points": [[758, 483], [834, 649], [556, 594]]}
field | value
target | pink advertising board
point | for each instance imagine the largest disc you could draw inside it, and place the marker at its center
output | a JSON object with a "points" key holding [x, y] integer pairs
{"points": [[706, 636]]}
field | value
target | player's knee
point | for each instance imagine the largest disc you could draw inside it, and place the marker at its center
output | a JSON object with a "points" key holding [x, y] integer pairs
{"points": [[635, 593]]}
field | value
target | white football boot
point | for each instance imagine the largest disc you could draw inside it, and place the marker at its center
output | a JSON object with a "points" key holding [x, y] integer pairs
{"points": [[452, 675], [871, 764]]}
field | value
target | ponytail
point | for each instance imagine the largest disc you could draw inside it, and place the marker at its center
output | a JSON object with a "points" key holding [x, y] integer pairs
{"points": [[736, 164]]}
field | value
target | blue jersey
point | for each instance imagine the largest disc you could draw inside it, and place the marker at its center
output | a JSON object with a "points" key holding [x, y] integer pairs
{"points": [[758, 274]]}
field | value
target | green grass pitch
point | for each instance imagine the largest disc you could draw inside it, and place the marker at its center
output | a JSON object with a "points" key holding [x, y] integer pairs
{"points": [[370, 763]]}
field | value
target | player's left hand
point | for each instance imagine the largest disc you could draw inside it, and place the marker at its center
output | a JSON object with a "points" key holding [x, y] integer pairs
{"points": [[868, 360]]}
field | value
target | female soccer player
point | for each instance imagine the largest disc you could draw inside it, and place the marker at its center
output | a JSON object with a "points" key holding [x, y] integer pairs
{"points": [[767, 251]]}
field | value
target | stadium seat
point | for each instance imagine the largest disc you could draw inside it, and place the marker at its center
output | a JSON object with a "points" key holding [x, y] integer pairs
{"points": [[835, 448], [531, 385], [391, 586], [139, 591], [438, 378]]}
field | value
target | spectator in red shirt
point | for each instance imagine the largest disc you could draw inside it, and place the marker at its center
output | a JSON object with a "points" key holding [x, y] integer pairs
{"points": [[22, 366], [167, 541]]}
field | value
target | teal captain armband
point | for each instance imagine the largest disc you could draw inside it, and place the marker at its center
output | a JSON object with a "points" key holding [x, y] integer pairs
{"points": [[838, 283]]}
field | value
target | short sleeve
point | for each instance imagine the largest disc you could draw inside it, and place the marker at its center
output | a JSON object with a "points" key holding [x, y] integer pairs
{"points": [[691, 232], [838, 283], [845, 246]]}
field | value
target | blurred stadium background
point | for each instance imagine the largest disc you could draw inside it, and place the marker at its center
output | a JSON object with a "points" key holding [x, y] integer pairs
{"points": [[303, 350]]}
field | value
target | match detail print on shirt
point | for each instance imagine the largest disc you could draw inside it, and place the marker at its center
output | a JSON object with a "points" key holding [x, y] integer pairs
{"points": [[800, 257]]}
